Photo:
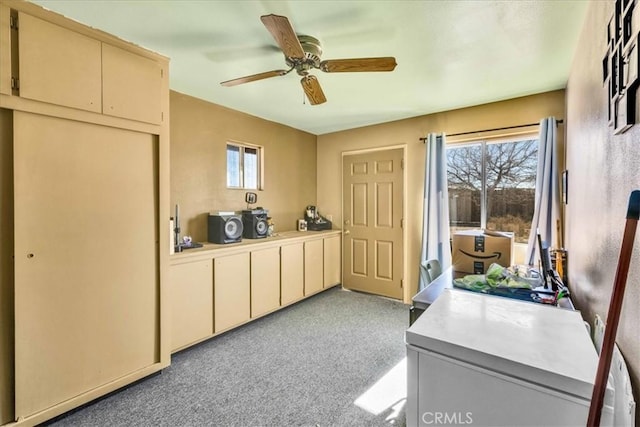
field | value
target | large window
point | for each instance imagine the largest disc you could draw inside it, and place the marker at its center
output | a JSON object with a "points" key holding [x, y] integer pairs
{"points": [[492, 186], [244, 166]]}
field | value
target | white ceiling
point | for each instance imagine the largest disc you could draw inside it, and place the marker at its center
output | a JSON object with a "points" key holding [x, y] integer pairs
{"points": [[450, 54]]}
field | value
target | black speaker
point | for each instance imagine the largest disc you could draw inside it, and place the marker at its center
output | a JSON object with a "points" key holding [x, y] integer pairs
{"points": [[224, 228], [255, 223]]}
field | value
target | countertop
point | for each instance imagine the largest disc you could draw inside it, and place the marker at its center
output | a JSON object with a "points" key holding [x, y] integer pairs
{"points": [[212, 249]]}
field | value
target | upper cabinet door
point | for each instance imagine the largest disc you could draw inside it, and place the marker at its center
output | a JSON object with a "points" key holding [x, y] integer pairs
{"points": [[59, 66], [132, 85], [5, 52]]}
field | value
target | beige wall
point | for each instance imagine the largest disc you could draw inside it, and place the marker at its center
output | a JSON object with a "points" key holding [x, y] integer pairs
{"points": [[407, 132], [199, 133], [603, 170]]}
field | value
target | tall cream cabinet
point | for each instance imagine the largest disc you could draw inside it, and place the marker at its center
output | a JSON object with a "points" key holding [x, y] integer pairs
{"points": [[6, 267], [84, 189], [247, 280], [81, 297]]}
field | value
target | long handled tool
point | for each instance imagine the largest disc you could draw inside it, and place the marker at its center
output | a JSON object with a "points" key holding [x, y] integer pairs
{"points": [[615, 306]]}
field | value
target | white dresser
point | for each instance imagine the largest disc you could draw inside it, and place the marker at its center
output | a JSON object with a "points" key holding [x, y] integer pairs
{"points": [[482, 360]]}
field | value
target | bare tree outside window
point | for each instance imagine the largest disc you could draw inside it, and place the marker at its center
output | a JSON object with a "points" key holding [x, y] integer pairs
{"points": [[492, 186]]}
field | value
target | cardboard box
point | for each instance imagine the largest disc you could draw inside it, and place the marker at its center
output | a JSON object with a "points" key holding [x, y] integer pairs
{"points": [[473, 251]]}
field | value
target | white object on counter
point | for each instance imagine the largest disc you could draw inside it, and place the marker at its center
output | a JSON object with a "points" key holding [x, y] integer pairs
{"points": [[487, 360]]}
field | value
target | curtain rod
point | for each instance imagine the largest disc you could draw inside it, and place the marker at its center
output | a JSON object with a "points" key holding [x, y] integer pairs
{"points": [[491, 130]]}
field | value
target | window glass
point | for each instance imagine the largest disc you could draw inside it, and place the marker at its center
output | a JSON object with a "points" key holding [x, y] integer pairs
{"points": [[244, 165], [233, 166], [511, 187], [492, 186], [251, 168], [464, 174]]}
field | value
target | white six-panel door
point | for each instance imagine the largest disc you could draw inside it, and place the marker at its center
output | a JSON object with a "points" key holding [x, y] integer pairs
{"points": [[372, 222]]}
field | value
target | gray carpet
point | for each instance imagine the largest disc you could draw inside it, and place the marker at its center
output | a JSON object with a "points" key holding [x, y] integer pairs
{"points": [[304, 365]]}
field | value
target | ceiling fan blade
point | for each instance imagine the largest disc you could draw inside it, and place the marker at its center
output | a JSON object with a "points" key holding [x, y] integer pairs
{"points": [[358, 64], [254, 77], [313, 90], [283, 33]]}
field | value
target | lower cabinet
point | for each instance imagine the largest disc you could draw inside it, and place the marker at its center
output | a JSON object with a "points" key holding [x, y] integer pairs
{"points": [[265, 281], [332, 261], [313, 266], [216, 290], [231, 291], [191, 293], [291, 273]]}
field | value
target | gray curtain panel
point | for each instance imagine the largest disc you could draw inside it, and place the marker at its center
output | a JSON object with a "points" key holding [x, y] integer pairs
{"points": [[547, 198], [435, 220]]}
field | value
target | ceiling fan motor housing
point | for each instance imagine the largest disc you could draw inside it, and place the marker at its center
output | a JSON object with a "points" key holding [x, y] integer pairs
{"points": [[313, 51]]}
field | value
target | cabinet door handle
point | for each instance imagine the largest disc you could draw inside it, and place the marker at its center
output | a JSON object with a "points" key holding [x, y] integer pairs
{"points": [[347, 232]]}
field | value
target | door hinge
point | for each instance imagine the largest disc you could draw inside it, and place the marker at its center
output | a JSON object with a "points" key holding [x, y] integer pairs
{"points": [[13, 22], [161, 72], [15, 83], [401, 222], [401, 163], [401, 283]]}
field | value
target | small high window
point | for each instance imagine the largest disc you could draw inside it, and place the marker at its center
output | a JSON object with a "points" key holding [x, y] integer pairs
{"points": [[244, 166]]}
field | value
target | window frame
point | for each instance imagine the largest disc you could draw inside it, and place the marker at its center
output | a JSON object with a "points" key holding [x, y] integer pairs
{"points": [[241, 146]]}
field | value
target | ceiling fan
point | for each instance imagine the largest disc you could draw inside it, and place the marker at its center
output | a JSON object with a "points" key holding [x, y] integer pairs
{"points": [[302, 53]]}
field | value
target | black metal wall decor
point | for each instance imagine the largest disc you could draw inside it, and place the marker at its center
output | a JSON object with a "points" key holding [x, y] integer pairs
{"points": [[620, 65]]}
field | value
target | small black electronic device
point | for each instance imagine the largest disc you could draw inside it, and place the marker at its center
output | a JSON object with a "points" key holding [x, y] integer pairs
{"points": [[315, 221], [550, 276], [250, 198], [254, 222], [224, 227]]}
